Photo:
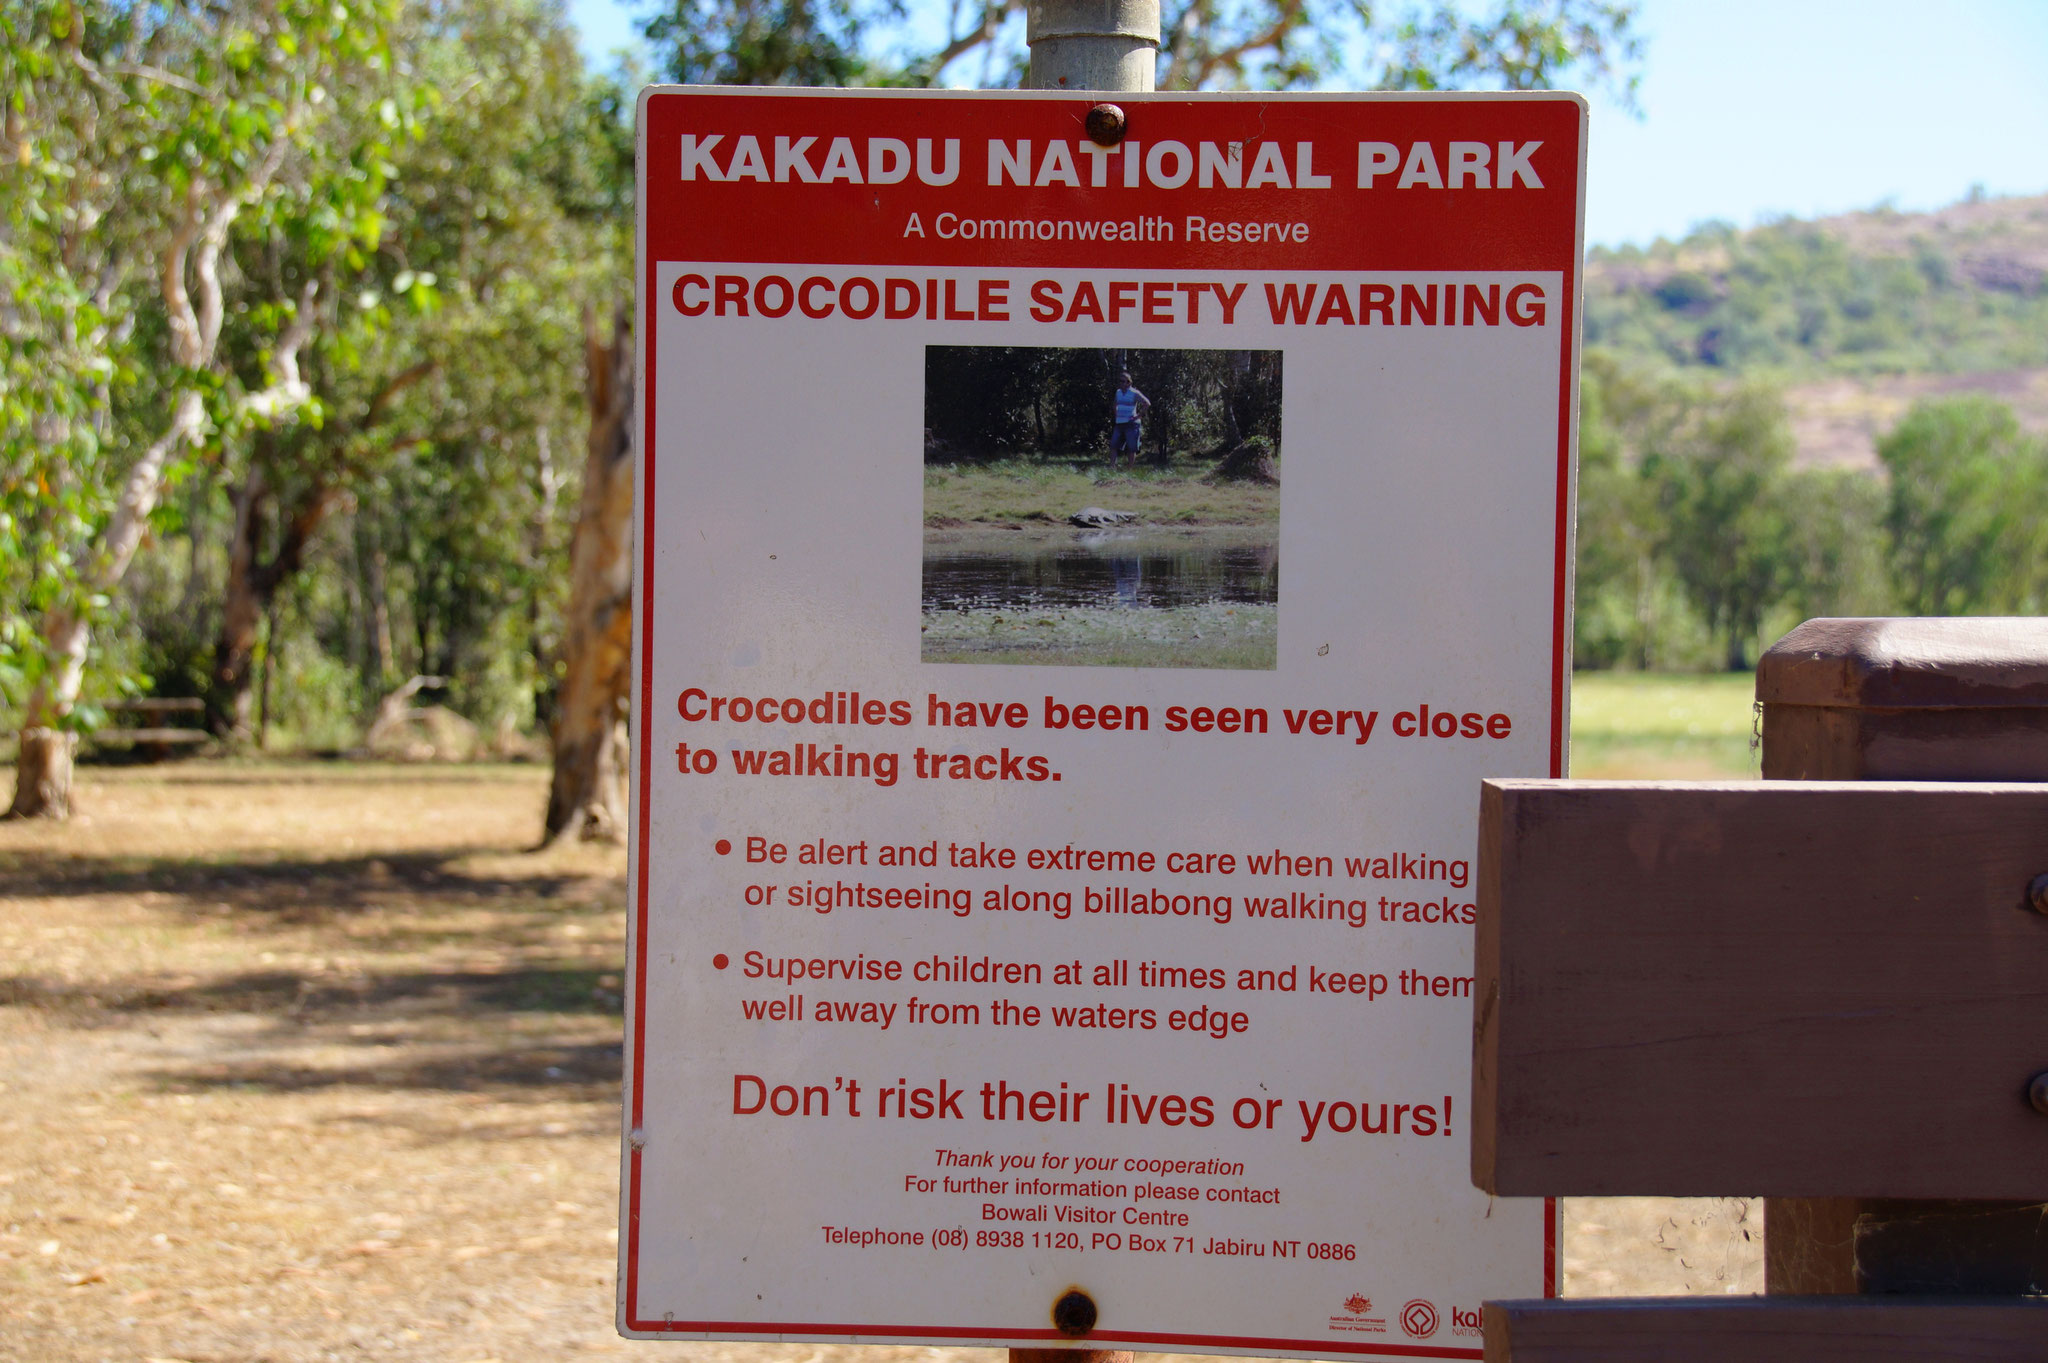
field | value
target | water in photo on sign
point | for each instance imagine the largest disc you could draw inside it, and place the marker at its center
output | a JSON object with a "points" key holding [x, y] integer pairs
{"points": [[1106, 507]]}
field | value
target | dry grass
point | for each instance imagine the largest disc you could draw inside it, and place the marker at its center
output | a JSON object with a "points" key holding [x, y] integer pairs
{"points": [[1837, 422], [316, 1062]]}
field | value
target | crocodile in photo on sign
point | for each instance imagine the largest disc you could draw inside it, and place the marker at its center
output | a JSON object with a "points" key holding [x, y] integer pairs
{"points": [[1101, 506]]}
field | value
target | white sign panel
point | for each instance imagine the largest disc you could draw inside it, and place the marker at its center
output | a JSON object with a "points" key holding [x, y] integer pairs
{"points": [[1081, 590]]}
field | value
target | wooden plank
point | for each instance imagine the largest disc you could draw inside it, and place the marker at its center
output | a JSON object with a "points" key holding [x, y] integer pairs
{"points": [[1905, 700], [1766, 1330], [1949, 699], [1835, 743], [1944, 662], [1786, 988]]}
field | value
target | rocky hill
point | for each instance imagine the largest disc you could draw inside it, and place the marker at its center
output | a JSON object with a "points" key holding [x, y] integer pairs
{"points": [[1856, 316]]}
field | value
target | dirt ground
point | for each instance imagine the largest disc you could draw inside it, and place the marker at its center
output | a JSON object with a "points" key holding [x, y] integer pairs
{"points": [[308, 1062]]}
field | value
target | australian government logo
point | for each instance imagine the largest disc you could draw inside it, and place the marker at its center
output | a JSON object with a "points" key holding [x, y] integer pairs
{"points": [[1356, 1315]]}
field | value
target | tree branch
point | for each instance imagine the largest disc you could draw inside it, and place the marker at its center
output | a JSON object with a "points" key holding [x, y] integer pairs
{"points": [[139, 491], [158, 75], [185, 345], [287, 390], [214, 238], [1287, 17], [395, 385], [992, 17]]}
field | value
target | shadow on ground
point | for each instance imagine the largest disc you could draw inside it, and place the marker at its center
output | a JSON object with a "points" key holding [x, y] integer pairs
{"points": [[301, 889], [313, 997], [587, 1072]]}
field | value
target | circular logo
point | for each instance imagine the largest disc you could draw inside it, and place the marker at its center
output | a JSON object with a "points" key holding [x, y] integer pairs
{"points": [[1418, 1318]]}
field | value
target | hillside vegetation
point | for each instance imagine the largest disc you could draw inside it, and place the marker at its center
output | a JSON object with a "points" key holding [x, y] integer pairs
{"points": [[1854, 318], [1841, 417], [1878, 293]]}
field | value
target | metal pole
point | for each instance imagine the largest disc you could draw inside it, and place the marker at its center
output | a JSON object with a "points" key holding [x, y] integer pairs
{"points": [[1088, 45], [1092, 44]]}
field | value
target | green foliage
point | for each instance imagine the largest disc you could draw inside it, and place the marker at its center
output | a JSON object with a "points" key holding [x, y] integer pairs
{"points": [[1738, 546], [141, 135], [1964, 515], [1694, 527], [1204, 44], [1796, 297], [394, 407], [1836, 563], [994, 402], [771, 42], [1518, 47], [1717, 469]]}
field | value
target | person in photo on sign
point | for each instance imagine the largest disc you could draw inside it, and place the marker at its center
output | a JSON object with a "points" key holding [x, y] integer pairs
{"points": [[1124, 435]]}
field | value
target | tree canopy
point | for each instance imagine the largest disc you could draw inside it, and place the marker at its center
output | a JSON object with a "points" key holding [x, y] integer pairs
{"points": [[1204, 44]]}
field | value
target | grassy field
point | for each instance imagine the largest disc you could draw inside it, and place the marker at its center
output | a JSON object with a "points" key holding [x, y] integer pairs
{"points": [[310, 1061], [1032, 490], [1639, 725], [1217, 634]]}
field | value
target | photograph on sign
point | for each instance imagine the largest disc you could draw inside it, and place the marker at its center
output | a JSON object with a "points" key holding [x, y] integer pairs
{"points": [[1020, 564], [1032, 901]]}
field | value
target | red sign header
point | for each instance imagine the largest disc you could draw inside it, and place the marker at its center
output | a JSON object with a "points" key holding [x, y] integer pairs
{"points": [[1255, 182]]}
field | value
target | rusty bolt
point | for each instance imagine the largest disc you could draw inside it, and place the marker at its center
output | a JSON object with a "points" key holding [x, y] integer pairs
{"points": [[2037, 1093], [1073, 1315], [2037, 893], [1105, 125]]}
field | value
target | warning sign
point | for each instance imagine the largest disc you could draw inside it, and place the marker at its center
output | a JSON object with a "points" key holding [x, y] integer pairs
{"points": [[1080, 590]]}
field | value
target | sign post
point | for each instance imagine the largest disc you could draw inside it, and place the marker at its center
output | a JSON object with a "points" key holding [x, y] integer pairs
{"points": [[1052, 913], [1087, 45]]}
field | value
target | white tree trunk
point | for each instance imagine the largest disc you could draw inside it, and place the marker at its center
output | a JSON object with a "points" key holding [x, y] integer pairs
{"points": [[42, 771], [189, 281]]}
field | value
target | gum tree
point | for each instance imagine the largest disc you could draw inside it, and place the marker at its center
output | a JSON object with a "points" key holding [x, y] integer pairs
{"points": [[164, 126], [437, 370]]}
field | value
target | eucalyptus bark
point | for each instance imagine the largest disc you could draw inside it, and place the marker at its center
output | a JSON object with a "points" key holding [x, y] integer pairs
{"points": [[587, 799], [188, 279]]}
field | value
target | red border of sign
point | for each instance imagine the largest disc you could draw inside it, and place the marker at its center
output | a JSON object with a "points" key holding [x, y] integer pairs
{"points": [[1561, 610]]}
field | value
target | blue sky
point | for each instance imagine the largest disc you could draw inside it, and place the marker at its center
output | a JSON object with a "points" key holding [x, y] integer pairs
{"points": [[1756, 108]]}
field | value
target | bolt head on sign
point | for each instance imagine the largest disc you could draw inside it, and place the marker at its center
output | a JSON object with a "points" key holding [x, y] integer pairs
{"points": [[1105, 124], [1040, 894]]}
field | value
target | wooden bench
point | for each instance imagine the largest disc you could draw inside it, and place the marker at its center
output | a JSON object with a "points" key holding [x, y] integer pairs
{"points": [[158, 733], [1830, 988]]}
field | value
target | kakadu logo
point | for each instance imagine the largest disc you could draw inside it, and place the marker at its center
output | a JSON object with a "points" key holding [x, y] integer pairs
{"points": [[1418, 1318]]}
